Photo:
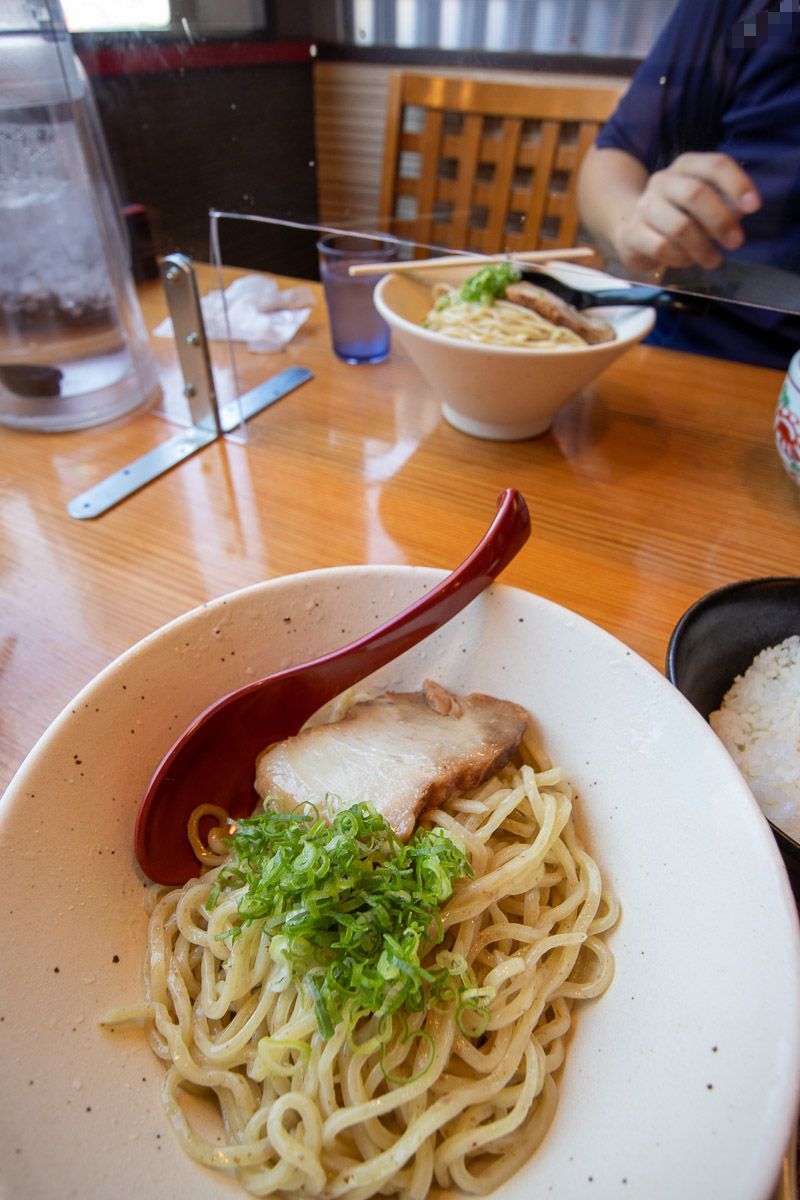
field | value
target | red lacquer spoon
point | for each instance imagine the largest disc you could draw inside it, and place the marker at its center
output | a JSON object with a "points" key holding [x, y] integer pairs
{"points": [[214, 759]]}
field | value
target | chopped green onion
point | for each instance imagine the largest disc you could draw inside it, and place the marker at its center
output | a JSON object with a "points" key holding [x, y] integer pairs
{"points": [[350, 910], [423, 1035], [473, 1013], [489, 283], [270, 1043]]}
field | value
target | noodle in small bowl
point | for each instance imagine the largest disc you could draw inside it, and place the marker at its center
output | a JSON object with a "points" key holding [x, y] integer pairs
{"points": [[502, 392], [680, 1079]]}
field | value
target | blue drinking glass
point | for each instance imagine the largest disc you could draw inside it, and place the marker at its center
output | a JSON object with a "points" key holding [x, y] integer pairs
{"points": [[358, 332]]}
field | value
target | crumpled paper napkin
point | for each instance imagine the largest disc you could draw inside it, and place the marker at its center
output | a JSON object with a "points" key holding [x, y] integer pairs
{"points": [[259, 313]]}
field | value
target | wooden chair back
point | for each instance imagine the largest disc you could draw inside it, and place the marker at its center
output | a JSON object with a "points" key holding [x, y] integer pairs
{"points": [[486, 166]]}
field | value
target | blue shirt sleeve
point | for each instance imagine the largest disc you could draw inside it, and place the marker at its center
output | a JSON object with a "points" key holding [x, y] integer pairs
{"points": [[677, 96], [724, 75]]}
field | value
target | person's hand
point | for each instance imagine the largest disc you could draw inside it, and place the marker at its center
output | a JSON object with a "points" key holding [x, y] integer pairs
{"points": [[686, 213]]}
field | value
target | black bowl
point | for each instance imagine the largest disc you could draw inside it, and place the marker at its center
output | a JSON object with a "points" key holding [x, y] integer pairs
{"points": [[718, 638]]}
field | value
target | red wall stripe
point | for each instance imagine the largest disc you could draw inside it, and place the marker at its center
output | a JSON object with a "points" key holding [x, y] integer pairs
{"points": [[121, 60]]}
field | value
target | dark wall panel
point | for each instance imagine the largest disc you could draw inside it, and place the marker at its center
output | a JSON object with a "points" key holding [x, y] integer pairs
{"points": [[238, 138]]}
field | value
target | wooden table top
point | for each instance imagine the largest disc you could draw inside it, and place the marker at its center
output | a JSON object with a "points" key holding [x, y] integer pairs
{"points": [[658, 483]]}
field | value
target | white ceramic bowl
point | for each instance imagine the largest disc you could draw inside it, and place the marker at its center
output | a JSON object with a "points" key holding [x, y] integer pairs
{"points": [[681, 1081], [503, 393]]}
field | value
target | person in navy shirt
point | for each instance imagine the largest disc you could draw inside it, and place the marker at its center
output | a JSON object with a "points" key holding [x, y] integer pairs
{"points": [[700, 164]]}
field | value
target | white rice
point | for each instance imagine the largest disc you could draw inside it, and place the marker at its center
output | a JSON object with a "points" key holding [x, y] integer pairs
{"points": [[759, 722]]}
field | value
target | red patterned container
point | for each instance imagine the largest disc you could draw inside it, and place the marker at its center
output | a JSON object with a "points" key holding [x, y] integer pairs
{"points": [[787, 420]]}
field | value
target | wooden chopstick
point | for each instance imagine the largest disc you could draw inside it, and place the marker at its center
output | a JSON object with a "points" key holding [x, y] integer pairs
{"points": [[472, 260]]}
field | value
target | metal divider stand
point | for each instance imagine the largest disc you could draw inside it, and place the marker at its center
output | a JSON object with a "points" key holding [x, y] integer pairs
{"points": [[209, 421]]}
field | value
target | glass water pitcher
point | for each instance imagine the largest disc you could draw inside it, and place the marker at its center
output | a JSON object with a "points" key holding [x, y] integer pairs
{"points": [[73, 347]]}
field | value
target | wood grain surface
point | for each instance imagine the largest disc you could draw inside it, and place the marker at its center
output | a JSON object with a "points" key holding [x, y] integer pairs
{"points": [[659, 482]]}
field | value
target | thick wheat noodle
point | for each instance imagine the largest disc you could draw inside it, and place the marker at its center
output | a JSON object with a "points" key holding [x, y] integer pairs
{"points": [[307, 1117], [500, 323]]}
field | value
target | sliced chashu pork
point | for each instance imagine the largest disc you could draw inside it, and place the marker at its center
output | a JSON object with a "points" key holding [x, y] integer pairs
{"points": [[593, 330], [400, 752]]}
